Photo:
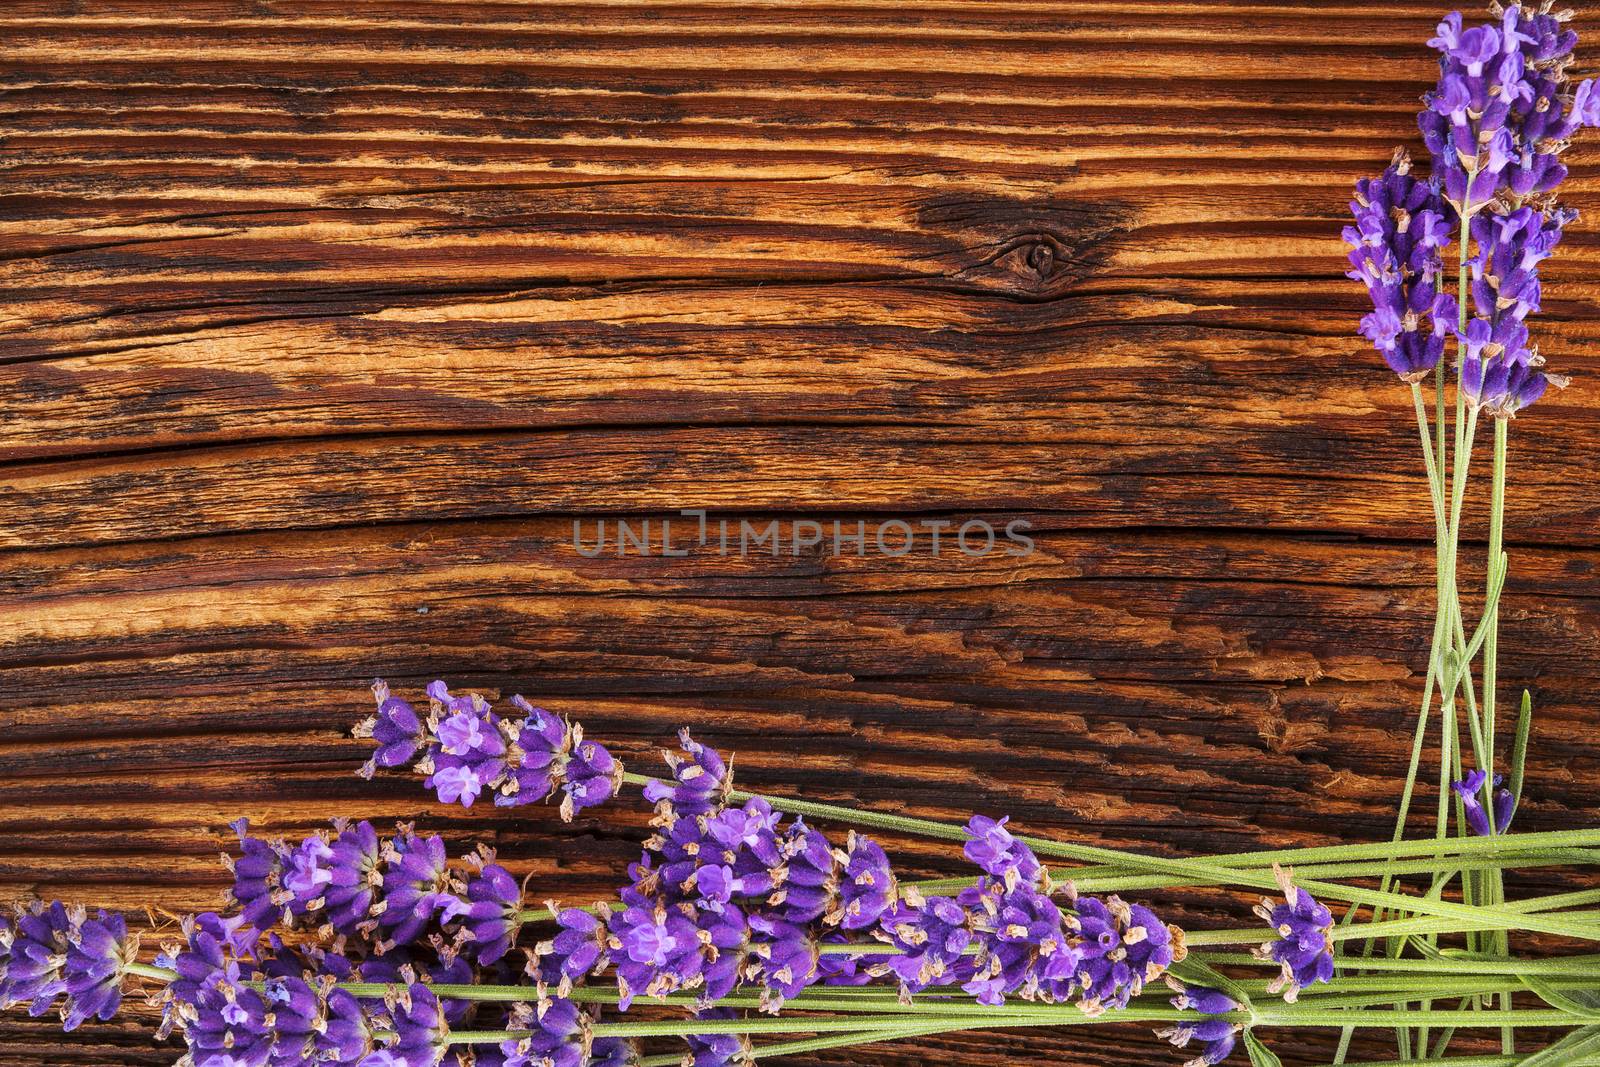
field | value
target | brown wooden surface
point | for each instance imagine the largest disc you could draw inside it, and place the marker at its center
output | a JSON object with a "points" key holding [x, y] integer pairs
{"points": [[322, 321]]}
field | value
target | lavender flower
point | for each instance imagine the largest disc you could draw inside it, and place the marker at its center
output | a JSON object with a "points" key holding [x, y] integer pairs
{"points": [[999, 854], [535, 757], [613, 1052], [655, 951], [1304, 946], [396, 728], [933, 934], [467, 750], [490, 914], [310, 1027], [98, 951], [1502, 804], [808, 880], [1396, 252], [418, 1022], [868, 888], [574, 953], [592, 775], [1217, 1035], [1499, 370], [718, 1050], [557, 1036], [468, 753], [1024, 945], [701, 780], [1123, 946], [418, 886], [257, 877], [38, 953], [355, 876]]}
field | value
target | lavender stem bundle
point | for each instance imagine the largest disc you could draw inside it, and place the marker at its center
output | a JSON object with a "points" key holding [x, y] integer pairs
{"points": [[754, 926]]}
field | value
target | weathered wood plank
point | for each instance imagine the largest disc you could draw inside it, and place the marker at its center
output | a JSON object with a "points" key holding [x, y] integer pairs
{"points": [[323, 322]]}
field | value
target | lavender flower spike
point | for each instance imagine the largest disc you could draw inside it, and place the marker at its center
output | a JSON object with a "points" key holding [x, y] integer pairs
{"points": [[1304, 946], [1219, 1036], [1401, 228]]}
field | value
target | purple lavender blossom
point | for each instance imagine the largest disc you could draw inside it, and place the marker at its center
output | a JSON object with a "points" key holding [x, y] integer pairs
{"points": [[310, 1027], [418, 886], [1502, 804], [1023, 943], [868, 888], [933, 934], [467, 751], [535, 758], [574, 953], [556, 1036], [38, 954], [1396, 247], [717, 1050], [355, 866], [418, 1022], [468, 754], [999, 854], [592, 775], [490, 914], [655, 951], [1123, 947], [613, 1052], [396, 728], [1498, 119], [1304, 946], [700, 780], [257, 877], [1500, 372], [1217, 1035], [98, 950], [808, 880]]}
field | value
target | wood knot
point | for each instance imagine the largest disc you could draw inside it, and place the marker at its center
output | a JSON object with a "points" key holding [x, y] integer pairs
{"points": [[1033, 259]]}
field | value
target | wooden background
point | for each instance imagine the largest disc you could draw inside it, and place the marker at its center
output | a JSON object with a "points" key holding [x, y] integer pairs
{"points": [[321, 321]]}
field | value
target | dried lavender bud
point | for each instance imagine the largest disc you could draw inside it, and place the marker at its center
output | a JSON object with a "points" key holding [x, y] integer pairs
{"points": [[1304, 946]]}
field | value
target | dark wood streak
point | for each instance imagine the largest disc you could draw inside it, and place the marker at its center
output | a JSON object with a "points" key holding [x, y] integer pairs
{"points": [[324, 323]]}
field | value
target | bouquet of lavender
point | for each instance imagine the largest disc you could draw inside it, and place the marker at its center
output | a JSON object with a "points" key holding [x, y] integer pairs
{"points": [[745, 931]]}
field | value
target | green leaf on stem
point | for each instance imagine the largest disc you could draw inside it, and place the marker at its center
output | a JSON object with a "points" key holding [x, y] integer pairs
{"points": [[1519, 754], [1582, 1003], [1260, 1055], [1570, 1048]]}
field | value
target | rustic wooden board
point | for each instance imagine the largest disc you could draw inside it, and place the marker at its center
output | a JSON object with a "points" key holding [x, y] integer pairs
{"points": [[323, 322]]}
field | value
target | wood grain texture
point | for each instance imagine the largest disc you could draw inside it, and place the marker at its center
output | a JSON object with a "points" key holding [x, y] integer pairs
{"points": [[324, 321]]}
